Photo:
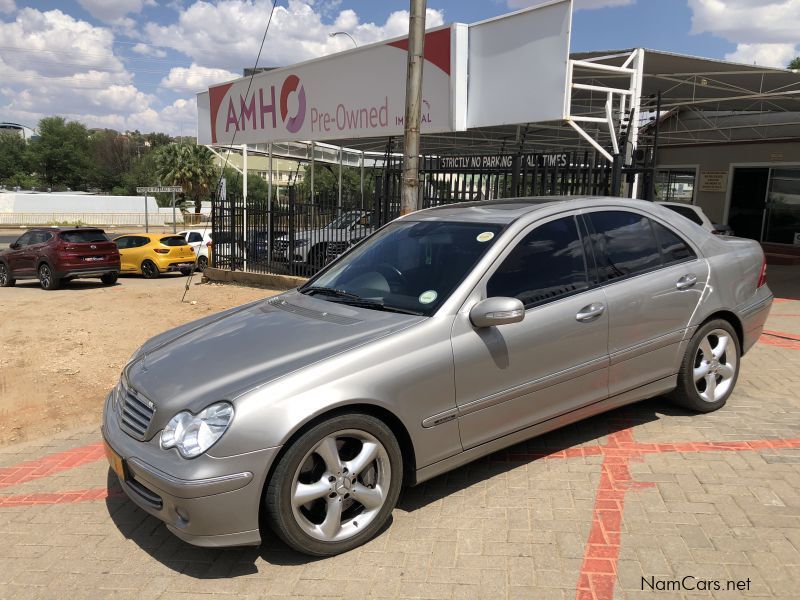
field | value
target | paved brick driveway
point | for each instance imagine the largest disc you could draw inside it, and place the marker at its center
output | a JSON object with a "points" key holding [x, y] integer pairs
{"points": [[586, 512]]}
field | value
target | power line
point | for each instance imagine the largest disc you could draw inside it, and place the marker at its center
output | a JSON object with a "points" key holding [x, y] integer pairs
{"points": [[233, 139]]}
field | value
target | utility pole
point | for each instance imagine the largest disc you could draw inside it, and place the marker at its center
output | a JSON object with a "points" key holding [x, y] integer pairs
{"points": [[416, 45]]}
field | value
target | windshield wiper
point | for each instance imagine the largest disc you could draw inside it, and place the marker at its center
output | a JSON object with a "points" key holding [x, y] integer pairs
{"points": [[336, 293], [377, 305]]}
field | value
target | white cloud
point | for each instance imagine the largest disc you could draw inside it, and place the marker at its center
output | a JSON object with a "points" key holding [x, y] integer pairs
{"points": [[111, 11], [578, 4], [764, 31], [227, 34], [195, 78], [147, 50], [768, 55], [55, 44], [7, 6]]}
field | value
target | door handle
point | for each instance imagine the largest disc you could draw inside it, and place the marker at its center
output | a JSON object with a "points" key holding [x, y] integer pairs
{"points": [[591, 312], [687, 281]]}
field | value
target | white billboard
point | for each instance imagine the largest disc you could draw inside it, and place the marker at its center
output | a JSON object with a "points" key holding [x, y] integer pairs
{"points": [[358, 93], [518, 66], [507, 70]]}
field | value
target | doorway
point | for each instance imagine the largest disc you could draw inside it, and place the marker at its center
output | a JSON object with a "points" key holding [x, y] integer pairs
{"points": [[748, 201]]}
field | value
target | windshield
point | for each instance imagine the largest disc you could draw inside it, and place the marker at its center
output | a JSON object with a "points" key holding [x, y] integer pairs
{"points": [[345, 220], [85, 236], [408, 266]]}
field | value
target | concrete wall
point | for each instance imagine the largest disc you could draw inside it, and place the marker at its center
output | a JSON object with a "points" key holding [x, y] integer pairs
{"points": [[720, 158]]}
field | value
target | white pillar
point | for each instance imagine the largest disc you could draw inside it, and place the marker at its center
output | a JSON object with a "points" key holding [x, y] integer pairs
{"points": [[244, 200], [269, 205]]}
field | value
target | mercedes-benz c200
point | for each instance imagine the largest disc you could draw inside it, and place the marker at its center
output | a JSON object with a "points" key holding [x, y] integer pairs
{"points": [[448, 334]]}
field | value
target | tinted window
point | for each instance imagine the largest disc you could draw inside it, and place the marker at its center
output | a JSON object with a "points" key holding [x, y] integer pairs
{"points": [[38, 237], [673, 248], [24, 239], [139, 241], [195, 237], [408, 265], [173, 240], [548, 263], [687, 212], [123, 242], [624, 244], [85, 236]]}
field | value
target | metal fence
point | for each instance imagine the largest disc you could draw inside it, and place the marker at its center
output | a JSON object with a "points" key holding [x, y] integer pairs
{"points": [[299, 237]]}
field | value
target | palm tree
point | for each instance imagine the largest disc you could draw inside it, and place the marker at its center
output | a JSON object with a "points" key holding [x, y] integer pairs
{"points": [[189, 166]]}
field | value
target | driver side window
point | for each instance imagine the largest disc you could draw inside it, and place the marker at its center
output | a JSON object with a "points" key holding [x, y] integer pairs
{"points": [[24, 239], [548, 264]]}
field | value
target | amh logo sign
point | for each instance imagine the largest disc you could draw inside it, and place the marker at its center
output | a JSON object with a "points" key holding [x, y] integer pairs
{"points": [[291, 84], [256, 111]]}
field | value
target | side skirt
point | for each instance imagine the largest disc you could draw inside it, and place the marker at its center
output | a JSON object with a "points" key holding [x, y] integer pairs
{"points": [[655, 388]]}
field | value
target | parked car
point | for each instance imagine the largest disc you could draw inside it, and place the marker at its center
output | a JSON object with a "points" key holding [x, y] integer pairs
{"points": [[696, 215], [56, 255], [311, 246], [150, 254], [201, 243], [448, 334]]}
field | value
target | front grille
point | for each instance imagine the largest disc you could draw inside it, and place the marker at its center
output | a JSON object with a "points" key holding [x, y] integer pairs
{"points": [[336, 248], [135, 414], [280, 245], [146, 494]]}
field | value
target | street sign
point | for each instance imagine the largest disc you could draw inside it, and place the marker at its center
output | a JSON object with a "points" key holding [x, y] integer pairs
{"points": [[158, 189]]}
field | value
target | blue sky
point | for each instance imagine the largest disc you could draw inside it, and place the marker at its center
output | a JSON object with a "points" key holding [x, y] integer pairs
{"points": [[136, 64]]}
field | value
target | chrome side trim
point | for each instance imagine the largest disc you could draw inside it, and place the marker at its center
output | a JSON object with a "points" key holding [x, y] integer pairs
{"points": [[668, 339], [533, 386], [184, 488], [646, 391], [442, 417]]}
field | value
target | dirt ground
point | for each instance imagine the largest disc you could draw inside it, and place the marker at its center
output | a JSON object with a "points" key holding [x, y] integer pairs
{"points": [[62, 351]]}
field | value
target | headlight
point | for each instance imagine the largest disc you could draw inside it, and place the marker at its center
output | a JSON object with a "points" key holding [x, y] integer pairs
{"points": [[194, 434]]}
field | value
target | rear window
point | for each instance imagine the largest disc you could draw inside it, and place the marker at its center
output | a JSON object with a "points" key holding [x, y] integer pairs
{"points": [[84, 237], [173, 240], [687, 212]]}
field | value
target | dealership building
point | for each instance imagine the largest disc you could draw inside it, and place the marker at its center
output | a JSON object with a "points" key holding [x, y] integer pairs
{"points": [[508, 110]]}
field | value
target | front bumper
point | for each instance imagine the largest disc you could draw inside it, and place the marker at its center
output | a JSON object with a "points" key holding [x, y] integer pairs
{"points": [[205, 501]]}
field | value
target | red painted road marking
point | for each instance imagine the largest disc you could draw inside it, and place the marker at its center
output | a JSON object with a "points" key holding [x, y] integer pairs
{"points": [[779, 339], [50, 465], [780, 300], [598, 573], [40, 499]]}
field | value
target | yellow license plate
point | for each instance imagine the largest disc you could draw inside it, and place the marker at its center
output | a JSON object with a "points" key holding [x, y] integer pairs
{"points": [[115, 460]]}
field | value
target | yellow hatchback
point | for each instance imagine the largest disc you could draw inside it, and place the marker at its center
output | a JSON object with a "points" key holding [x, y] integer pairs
{"points": [[151, 254]]}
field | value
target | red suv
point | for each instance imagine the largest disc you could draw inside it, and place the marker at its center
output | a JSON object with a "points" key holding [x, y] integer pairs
{"points": [[57, 254]]}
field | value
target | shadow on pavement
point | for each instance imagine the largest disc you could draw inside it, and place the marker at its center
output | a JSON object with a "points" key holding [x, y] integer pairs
{"points": [[152, 536]]}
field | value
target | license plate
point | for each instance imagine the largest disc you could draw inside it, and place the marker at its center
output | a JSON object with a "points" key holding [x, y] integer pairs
{"points": [[115, 461], [93, 258]]}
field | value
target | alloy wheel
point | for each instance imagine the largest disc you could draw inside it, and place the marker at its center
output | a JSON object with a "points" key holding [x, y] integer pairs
{"points": [[45, 276], [3, 275], [715, 365], [341, 485], [149, 270]]}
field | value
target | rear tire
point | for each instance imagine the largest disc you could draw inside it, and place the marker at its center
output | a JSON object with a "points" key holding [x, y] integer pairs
{"points": [[150, 270], [202, 263], [335, 486], [6, 280], [109, 278], [709, 369], [47, 279]]}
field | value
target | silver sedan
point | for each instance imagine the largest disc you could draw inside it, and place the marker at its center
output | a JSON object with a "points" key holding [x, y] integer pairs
{"points": [[444, 336]]}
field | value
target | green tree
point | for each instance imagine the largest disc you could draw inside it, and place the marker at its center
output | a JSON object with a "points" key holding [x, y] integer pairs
{"points": [[13, 156], [189, 166], [257, 188], [60, 155], [111, 157], [795, 63], [326, 183]]}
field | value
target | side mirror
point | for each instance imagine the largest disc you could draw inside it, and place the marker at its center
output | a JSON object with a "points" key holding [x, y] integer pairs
{"points": [[14, 246], [497, 311]]}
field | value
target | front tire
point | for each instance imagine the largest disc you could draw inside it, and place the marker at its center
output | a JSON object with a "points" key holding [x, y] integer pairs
{"points": [[202, 263], [47, 279], [709, 369], [6, 280], [150, 270], [335, 486]]}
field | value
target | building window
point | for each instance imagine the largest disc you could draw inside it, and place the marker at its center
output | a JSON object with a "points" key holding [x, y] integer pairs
{"points": [[675, 185], [782, 224]]}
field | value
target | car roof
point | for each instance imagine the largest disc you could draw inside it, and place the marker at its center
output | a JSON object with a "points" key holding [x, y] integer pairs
{"points": [[508, 210], [152, 236]]}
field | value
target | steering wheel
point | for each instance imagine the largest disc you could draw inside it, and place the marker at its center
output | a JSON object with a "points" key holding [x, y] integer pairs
{"points": [[392, 275]]}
